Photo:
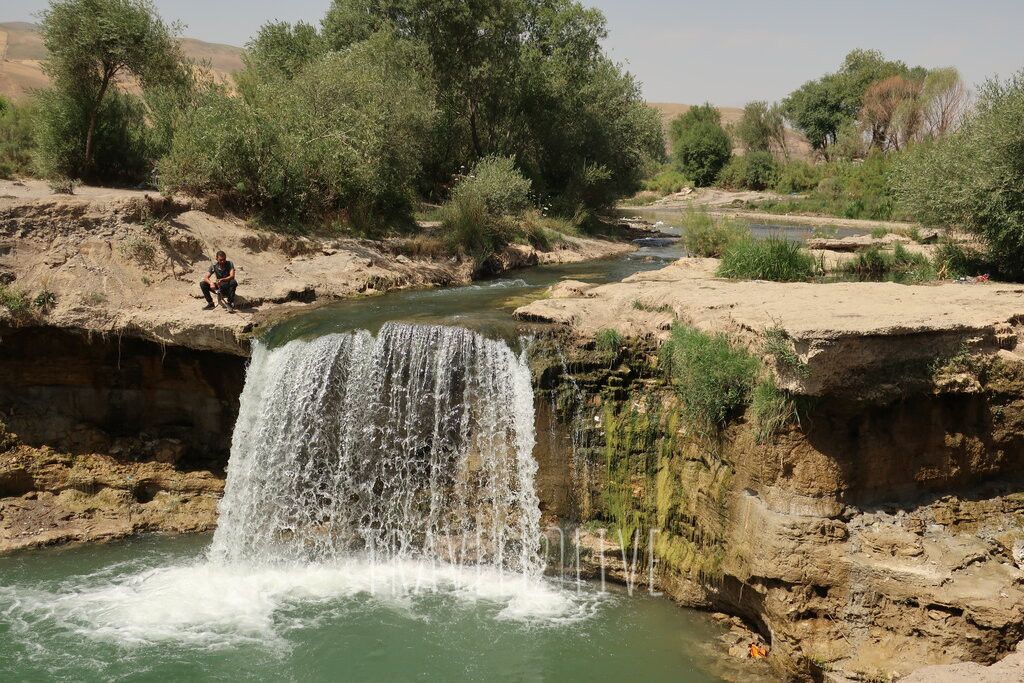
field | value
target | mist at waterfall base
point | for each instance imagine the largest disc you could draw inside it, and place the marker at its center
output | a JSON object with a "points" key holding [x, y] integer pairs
{"points": [[379, 523]]}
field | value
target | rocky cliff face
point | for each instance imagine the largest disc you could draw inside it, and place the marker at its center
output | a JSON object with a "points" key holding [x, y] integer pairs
{"points": [[49, 497], [865, 538]]}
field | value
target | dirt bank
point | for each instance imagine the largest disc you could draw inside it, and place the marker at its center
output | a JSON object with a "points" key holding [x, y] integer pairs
{"points": [[127, 263]]}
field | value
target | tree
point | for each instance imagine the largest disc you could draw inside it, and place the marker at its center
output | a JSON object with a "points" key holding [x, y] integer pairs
{"points": [[344, 139], [821, 108], [700, 146], [974, 177], [762, 128], [282, 49], [526, 79], [892, 111], [818, 109], [92, 44], [944, 101]]}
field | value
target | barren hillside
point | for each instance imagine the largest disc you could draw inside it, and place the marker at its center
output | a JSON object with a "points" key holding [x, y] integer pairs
{"points": [[22, 52]]}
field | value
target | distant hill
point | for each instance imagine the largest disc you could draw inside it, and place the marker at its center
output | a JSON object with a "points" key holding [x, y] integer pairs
{"points": [[798, 146], [22, 52]]}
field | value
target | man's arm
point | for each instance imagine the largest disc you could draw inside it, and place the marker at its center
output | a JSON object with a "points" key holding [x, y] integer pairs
{"points": [[230, 276]]}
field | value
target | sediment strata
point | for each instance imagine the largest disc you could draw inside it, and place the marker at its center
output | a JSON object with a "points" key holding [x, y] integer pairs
{"points": [[880, 530]]}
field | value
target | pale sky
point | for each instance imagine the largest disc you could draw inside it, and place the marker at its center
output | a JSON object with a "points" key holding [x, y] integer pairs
{"points": [[727, 52]]}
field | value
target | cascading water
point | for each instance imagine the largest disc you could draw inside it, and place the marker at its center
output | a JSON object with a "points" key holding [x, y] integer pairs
{"points": [[414, 443]]}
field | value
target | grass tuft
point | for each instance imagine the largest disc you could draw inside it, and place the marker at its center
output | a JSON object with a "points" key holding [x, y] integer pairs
{"points": [[608, 341], [772, 409], [901, 265], [773, 258]]}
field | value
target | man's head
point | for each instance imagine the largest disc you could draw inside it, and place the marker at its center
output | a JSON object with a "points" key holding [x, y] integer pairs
{"points": [[221, 257]]}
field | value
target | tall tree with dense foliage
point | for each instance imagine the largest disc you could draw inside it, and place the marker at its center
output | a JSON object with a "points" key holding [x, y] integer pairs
{"points": [[526, 79], [974, 177], [93, 47], [700, 146]]}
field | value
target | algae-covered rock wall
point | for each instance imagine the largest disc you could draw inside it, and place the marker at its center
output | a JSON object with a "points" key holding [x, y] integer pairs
{"points": [[863, 538]]}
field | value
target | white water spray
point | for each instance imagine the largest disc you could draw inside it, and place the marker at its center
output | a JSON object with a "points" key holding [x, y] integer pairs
{"points": [[416, 443]]}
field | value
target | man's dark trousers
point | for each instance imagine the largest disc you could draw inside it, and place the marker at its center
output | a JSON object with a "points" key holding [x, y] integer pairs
{"points": [[227, 289]]}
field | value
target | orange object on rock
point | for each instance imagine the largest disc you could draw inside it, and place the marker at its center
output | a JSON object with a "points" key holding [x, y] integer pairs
{"points": [[758, 651]]}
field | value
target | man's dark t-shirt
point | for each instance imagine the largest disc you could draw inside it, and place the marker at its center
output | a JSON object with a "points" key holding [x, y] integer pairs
{"points": [[221, 271]]}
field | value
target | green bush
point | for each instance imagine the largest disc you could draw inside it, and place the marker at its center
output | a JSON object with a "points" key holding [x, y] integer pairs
{"points": [[847, 189], [668, 180], [13, 300], [499, 183], [752, 171], [713, 377], [121, 139], [708, 236], [973, 178], [796, 177], [953, 260], [487, 211], [701, 151], [773, 258], [17, 145], [343, 140], [900, 264]]}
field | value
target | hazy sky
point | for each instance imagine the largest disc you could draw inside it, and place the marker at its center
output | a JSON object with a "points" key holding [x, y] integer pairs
{"points": [[727, 52]]}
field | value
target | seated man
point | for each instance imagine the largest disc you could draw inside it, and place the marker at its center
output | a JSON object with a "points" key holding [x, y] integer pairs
{"points": [[221, 280]]}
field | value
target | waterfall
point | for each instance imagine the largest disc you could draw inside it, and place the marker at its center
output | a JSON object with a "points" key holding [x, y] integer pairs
{"points": [[415, 443]]}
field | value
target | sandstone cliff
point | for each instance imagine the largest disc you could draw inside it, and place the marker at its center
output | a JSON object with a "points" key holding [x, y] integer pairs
{"points": [[879, 529]]}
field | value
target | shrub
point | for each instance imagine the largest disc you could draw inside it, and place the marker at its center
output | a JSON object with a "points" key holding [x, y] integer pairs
{"points": [[343, 140], [973, 179], [953, 260], [121, 150], [13, 300], [668, 180], [61, 185], [847, 189], [778, 345], [137, 249], [711, 375], [16, 142], [797, 176], [772, 258], [708, 236], [901, 264], [45, 300], [497, 181], [752, 171], [486, 212], [700, 146]]}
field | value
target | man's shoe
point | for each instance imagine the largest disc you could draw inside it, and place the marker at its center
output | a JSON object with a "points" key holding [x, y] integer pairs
{"points": [[231, 307], [209, 307]]}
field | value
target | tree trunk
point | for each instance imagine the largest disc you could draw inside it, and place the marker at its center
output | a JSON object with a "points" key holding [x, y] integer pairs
{"points": [[93, 115]]}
